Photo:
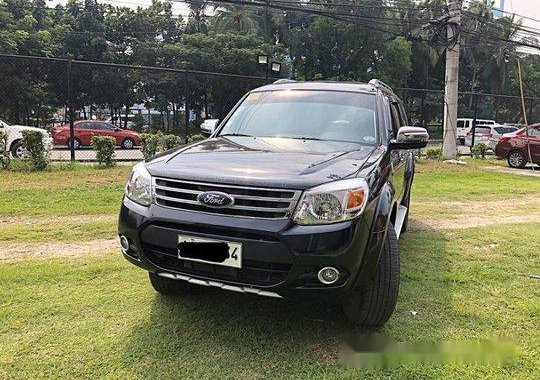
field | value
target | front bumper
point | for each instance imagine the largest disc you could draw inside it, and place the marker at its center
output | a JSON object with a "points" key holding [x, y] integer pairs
{"points": [[279, 257]]}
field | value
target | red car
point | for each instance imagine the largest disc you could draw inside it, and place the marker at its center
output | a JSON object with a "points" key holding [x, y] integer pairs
{"points": [[516, 146], [84, 130]]}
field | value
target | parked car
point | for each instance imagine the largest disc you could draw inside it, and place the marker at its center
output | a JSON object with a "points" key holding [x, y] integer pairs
{"points": [[14, 138], [516, 146], [302, 192], [84, 131], [464, 126], [488, 134]]}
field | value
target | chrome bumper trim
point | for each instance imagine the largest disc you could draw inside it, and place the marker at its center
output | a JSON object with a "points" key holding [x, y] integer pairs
{"points": [[217, 284]]}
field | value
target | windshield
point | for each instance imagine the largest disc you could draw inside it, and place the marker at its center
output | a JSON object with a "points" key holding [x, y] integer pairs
{"points": [[311, 115]]}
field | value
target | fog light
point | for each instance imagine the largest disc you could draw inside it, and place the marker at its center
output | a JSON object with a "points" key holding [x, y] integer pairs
{"points": [[124, 243], [328, 275]]}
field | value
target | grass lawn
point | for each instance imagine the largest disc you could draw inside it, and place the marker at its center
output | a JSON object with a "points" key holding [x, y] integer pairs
{"points": [[96, 316]]}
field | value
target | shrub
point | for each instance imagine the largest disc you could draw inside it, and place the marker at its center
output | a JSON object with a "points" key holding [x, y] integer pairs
{"points": [[170, 141], [479, 150], [32, 141], [434, 153], [194, 138], [150, 144], [4, 151], [104, 147]]}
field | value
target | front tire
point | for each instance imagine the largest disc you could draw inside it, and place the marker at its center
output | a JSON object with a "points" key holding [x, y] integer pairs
{"points": [[169, 287], [373, 305], [516, 159], [128, 143]]}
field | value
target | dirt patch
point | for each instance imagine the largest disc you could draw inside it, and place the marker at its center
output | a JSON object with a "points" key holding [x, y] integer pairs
{"points": [[469, 222], [6, 220], [528, 171], [478, 213], [57, 249]]}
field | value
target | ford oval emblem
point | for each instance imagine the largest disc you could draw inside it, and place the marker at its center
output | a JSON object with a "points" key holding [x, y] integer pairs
{"points": [[215, 199]]}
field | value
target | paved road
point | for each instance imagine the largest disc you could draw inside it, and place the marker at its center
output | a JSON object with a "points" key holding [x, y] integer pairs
{"points": [[87, 154], [84, 154]]}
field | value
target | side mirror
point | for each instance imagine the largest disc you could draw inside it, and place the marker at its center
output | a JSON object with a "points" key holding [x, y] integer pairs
{"points": [[410, 138], [209, 126]]}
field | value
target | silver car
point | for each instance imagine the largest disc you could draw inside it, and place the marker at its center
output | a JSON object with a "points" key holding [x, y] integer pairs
{"points": [[488, 134]]}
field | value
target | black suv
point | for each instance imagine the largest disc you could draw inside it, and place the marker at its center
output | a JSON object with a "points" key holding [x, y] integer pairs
{"points": [[302, 191]]}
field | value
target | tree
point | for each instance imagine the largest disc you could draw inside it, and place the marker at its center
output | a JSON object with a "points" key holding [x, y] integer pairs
{"points": [[236, 18]]}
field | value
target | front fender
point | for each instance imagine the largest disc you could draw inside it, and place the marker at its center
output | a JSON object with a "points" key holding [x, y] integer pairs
{"points": [[380, 222]]}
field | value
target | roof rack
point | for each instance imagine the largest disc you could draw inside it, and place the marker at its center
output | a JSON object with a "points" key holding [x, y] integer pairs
{"points": [[284, 80], [380, 83]]}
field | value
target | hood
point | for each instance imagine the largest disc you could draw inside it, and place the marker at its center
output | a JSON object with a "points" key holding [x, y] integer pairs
{"points": [[262, 162], [27, 128]]}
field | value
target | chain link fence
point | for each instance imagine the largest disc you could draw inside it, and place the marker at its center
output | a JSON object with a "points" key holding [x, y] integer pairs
{"points": [[125, 101], [426, 108], [109, 99]]}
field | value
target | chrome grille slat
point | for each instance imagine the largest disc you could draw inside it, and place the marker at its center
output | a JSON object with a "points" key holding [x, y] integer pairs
{"points": [[246, 197], [249, 201]]}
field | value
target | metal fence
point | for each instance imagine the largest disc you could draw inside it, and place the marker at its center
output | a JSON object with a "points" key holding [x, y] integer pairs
{"points": [[426, 108], [53, 92]]}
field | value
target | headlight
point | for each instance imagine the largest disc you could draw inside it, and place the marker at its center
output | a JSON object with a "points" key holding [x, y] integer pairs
{"points": [[139, 185], [332, 202]]}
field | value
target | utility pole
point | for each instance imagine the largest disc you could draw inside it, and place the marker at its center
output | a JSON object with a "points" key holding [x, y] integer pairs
{"points": [[451, 80]]}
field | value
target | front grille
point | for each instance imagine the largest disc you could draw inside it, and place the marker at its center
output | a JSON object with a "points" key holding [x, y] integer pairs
{"points": [[252, 202], [253, 272]]}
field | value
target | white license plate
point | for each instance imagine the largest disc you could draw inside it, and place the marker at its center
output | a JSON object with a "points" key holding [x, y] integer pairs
{"points": [[210, 251]]}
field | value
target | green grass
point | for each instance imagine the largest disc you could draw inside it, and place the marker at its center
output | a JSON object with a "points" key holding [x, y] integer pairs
{"points": [[97, 316], [61, 192], [456, 182]]}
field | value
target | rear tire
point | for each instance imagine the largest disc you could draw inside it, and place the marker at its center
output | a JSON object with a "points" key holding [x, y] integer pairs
{"points": [[169, 287], [516, 159], [76, 143], [373, 305], [17, 150]]}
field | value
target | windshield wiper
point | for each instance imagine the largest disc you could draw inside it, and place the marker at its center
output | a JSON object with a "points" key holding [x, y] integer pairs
{"points": [[302, 138], [236, 134]]}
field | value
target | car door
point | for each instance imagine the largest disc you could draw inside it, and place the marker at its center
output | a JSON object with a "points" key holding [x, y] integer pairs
{"points": [[107, 129], [83, 132], [397, 156], [461, 128], [534, 143]]}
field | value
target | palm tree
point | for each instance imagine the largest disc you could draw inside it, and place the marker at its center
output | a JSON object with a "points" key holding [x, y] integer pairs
{"points": [[506, 30], [197, 20], [237, 18]]}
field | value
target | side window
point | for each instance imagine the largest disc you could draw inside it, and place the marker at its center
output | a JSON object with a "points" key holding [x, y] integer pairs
{"points": [[387, 117], [403, 115], [534, 132], [461, 124], [81, 126], [396, 120]]}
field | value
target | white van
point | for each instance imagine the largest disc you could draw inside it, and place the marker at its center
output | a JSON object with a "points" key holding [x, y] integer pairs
{"points": [[464, 126]]}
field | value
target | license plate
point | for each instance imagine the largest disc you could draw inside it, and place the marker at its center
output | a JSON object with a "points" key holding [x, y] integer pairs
{"points": [[210, 251]]}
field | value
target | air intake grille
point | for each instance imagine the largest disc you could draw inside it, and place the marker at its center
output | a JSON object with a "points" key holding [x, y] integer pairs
{"points": [[251, 202]]}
